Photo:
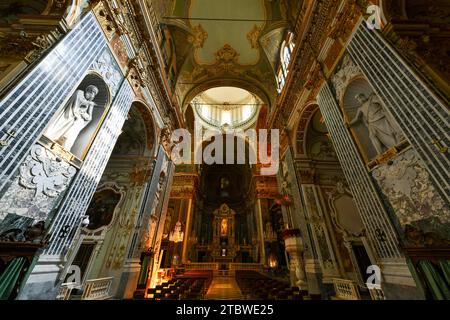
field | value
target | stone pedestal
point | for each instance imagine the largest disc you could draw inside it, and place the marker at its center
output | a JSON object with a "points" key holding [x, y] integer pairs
{"points": [[293, 244]]}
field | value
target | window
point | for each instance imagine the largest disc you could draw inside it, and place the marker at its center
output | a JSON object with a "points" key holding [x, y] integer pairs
{"points": [[230, 106], [287, 48], [226, 117]]}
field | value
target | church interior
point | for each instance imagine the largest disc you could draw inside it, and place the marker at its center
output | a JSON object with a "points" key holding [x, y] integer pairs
{"points": [[116, 118]]}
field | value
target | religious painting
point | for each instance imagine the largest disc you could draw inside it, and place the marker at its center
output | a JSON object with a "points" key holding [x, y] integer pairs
{"points": [[77, 122], [224, 227], [102, 207]]}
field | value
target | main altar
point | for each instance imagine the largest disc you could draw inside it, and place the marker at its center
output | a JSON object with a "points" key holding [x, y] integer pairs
{"points": [[224, 247]]}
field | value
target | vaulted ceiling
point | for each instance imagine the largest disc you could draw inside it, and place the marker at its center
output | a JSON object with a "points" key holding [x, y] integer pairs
{"points": [[225, 43]]}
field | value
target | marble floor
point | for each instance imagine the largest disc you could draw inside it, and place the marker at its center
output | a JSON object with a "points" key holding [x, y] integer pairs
{"points": [[224, 288]]}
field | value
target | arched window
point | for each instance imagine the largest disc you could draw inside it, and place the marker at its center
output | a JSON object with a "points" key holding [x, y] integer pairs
{"points": [[286, 50]]}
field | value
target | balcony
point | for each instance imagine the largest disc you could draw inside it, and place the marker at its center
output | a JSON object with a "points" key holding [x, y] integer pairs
{"points": [[346, 289], [96, 289]]}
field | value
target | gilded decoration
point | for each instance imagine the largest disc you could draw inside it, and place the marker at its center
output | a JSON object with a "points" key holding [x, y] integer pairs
{"points": [[253, 37], [199, 37], [227, 56], [105, 20]]}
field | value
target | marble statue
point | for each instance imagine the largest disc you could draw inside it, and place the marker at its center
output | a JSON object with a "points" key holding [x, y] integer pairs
{"points": [[75, 117], [382, 132], [177, 235]]}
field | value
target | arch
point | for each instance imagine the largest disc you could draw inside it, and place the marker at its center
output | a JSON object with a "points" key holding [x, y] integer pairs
{"points": [[149, 120], [19, 7], [255, 89], [199, 148], [306, 115], [318, 144], [138, 138], [226, 107]]}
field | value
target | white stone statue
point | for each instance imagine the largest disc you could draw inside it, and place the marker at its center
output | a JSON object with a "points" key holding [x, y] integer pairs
{"points": [[382, 131], [74, 118], [177, 235]]}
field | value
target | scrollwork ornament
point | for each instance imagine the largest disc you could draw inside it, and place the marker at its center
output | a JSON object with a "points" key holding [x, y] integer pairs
{"points": [[45, 173]]}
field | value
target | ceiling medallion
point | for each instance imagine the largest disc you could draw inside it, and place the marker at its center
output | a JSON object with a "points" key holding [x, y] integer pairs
{"points": [[253, 37], [199, 37]]}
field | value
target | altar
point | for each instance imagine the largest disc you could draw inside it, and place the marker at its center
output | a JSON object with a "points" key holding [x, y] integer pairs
{"points": [[224, 247]]}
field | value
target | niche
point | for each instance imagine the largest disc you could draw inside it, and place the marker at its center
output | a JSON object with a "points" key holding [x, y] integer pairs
{"points": [[75, 126], [371, 124]]}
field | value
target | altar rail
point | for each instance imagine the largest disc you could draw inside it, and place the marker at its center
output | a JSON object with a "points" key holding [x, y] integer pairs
{"points": [[201, 266], [246, 266], [346, 289], [229, 266]]}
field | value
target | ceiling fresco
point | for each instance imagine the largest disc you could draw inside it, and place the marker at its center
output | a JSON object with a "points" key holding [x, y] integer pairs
{"points": [[217, 44]]}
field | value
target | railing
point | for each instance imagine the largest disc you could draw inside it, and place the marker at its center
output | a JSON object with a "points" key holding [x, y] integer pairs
{"points": [[376, 293], [97, 289], [346, 289], [246, 266], [230, 266], [65, 291], [202, 266]]}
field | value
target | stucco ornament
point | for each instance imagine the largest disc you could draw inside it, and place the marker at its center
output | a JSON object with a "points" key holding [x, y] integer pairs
{"points": [[45, 173], [348, 71], [107, 68]]}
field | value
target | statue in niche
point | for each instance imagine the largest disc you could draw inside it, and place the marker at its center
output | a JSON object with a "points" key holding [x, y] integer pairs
{"points": [[149, 235], [159, 188], [168, 223], [177, 235], [75, 117], [382, 132]]}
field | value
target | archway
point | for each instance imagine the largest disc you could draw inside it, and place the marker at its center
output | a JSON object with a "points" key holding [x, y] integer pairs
{"points": [[107, 244], [337, 230]]}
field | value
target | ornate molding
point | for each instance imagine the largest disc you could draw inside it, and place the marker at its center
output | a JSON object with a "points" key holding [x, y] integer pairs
{"points": [[347, 72], [106, 67], [253, 37], [199, 36], [184, 186], [45, 173]]}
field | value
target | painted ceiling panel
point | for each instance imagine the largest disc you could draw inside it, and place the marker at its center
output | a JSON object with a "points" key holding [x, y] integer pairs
{"points": [[226, 29]]}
